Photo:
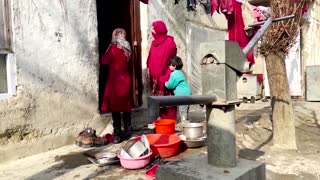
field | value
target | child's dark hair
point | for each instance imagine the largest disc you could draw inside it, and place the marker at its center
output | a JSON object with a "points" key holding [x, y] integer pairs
{"points": [[177, 62]]}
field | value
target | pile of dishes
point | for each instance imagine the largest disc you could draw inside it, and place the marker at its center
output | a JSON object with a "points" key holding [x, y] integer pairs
{"points": [[136, 153], [193, 135]]}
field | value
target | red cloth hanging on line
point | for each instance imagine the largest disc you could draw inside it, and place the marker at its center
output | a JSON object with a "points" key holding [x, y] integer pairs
{"points": [[226, 6], [214, 6], [233, 12], [223, 6], [236, 29]]}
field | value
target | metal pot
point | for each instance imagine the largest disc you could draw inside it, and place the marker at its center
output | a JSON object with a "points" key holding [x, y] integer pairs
{"points": [[192, 130], [135, 148]]}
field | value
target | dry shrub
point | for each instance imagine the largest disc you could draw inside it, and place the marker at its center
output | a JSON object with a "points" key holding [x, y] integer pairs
{"points": [[281, 36]]}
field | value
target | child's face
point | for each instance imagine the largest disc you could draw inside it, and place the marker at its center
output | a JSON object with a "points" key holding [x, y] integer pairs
{"points": [[172, 68]]}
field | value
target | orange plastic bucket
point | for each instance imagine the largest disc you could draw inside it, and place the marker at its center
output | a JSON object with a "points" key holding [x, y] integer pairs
{"points": [[165, 126]]}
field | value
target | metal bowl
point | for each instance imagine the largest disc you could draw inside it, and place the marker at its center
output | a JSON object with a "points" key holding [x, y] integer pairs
{"points": [[192, 130], [105, 157], [103, 161], [196, 143]]}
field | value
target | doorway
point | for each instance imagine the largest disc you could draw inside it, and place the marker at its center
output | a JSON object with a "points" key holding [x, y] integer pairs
{"points": [[123, 14]]}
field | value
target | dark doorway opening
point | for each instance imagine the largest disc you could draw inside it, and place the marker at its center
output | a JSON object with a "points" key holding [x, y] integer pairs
{"points": [[121, 14]]}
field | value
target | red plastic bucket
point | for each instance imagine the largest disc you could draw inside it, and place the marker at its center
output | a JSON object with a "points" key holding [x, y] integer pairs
{"points": [[165, 126]]}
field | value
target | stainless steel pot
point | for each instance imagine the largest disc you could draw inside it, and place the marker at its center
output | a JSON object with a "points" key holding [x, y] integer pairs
{"points": [[192, 130], [135, 148]]}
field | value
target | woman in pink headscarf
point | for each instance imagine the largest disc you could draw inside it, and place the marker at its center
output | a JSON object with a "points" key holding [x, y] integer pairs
{"points": [[117, 97], [162, 49]]}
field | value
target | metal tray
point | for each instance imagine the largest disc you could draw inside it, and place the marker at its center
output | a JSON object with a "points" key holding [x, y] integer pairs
{"points": [[107, 162]]}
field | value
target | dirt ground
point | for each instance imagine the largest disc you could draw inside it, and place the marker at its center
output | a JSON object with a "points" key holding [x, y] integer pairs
{"points": [[254, 141]]}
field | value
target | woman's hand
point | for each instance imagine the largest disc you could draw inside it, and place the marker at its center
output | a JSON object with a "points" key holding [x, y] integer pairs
{"points": [[147, 75]]}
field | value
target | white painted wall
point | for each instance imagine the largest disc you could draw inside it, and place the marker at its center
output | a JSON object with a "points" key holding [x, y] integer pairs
{"points": [[293, 67], [311, 35], [56, 54], [310, 39]]}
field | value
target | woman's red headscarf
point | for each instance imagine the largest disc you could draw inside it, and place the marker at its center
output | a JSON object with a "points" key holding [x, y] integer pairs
{"points": [[159, 33], [159, 29]]}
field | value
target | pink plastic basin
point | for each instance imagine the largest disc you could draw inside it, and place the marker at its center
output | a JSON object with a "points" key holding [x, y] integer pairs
{"points": [[135, 163]]}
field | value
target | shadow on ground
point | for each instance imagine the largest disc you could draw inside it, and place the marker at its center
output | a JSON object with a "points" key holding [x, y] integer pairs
{"points": [[66, 163]]}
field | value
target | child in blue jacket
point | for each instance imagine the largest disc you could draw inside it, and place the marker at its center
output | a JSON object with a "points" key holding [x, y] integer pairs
{"points": [[178, 83]]}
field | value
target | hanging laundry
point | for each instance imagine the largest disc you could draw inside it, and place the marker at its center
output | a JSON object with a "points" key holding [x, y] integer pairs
{"points": [[247, 14], [214, 6], [265, 12], [236, 29], [206, 4], [144, 1], [257, 14], [305, 7], [192, 5], [226, 6]]}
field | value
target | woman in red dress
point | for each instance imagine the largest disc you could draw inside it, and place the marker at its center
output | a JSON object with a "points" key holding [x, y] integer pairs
{"points": [[117, 97], [162, 49]]}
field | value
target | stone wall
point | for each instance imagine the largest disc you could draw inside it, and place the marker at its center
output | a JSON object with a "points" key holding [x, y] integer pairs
{"points": [[56, 54]]}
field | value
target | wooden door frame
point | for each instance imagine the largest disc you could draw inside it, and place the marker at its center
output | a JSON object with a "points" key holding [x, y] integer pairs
{"points": [[136, 63]]}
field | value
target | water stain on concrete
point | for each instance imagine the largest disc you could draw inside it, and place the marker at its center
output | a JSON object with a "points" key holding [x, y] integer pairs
{"points": [[72, 160]]}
